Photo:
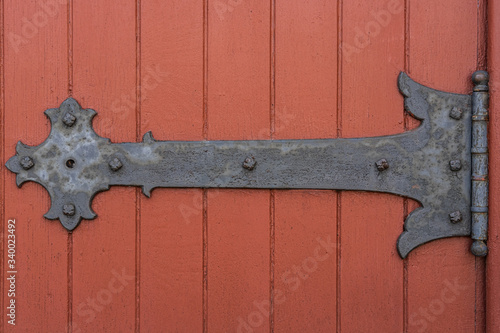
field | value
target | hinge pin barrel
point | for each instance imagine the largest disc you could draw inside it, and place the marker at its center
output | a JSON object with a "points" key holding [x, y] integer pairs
{"points": [[479, 199]]}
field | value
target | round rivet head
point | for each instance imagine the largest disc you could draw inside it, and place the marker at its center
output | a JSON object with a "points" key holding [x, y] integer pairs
{"points": [[69, 210], [249, 163], [480, 80], [115, 164], [479, 248], [455, 165], [68, 119], [480, 77], [455, 216], [26, 162], [456, 113], [382, 165]]}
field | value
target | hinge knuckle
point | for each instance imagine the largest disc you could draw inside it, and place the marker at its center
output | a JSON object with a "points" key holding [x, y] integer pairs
{"points": [[479, 155]]}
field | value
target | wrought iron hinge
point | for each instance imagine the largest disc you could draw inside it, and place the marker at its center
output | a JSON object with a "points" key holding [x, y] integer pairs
{"points": [[442, 164]]}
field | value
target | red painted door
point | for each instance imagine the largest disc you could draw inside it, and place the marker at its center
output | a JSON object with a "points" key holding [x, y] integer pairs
{"points": [[194, 260]]}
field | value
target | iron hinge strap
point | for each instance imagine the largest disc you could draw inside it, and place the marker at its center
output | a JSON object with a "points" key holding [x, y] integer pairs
{"points": [[431, 164]]}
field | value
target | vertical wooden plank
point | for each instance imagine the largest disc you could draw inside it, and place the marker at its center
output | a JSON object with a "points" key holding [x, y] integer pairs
{"points": [[306, 70], [238, 70], [171, 262], [442, 55], [493, 259], [35, 79], [305, 264], [104, 50], [371, 272], [238, 221], [439, 269], [238, 261], [171, 221], [172, 69], [429, 46], [305, 221]]}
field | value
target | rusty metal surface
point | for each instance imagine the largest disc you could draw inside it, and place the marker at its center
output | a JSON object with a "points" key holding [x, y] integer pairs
{"points": [[74, 164]]}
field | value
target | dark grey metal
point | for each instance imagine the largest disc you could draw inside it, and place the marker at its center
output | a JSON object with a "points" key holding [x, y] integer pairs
{"points": [[74, 164], [479, 207]]}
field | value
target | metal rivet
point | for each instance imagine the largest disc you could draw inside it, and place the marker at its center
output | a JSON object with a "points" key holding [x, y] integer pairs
{"points": [[26, 162], [382, 165], [68, 119], [69, 210], [456, 113], [479, 248], [455, 217], [455, 165], [115, 164], [249, 163]]}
